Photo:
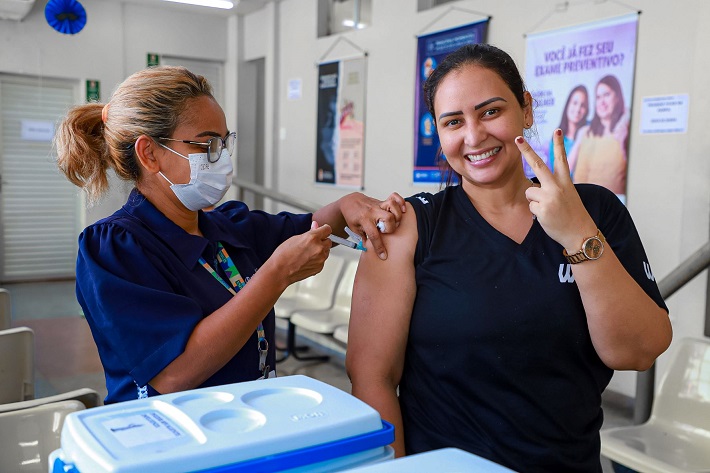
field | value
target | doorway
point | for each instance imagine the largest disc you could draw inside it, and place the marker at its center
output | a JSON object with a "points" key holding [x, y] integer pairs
{"points": [[40, 210], [250, 128]]}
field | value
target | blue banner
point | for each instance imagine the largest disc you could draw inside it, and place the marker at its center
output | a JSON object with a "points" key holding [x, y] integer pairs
{"points": [[431, 49]]}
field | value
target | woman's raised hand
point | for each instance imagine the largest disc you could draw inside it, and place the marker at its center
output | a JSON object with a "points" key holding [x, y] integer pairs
{"points": [[556, 203]]}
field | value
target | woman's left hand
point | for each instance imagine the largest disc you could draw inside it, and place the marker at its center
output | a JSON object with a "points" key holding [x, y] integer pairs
{"points": [[556, 203], [369, 217]]}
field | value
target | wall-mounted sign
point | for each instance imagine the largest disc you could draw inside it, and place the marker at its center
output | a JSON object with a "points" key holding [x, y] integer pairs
{"points": [[294, 89], [664, 114], [35, 130], [93, 90], [152, 60]]}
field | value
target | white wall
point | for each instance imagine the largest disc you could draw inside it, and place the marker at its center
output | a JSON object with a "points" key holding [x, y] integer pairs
{"points": [[113, 44], [668, 183]]}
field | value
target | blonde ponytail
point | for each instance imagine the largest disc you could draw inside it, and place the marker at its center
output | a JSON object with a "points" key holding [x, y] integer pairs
{"points": [[81, 149], [93, 138]]}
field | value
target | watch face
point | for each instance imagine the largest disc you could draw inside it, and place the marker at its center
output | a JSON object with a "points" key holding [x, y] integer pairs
{"points": [[593, 248]]}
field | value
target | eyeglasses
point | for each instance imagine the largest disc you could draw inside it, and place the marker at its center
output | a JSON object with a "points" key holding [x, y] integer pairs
{"points": [[214, 145]]}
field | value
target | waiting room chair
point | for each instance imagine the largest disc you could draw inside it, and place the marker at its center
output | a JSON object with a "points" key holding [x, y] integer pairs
{"points": [[324, 321], [5, 309], [87, 396], [16, 365], [340, 333], [676, 438], [316, 292], [28, 436]]}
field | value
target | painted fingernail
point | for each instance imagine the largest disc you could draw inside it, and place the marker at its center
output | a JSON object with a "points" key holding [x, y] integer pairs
{"points": [[558, 132], [519, 140], [383, 255], [381, 226]]}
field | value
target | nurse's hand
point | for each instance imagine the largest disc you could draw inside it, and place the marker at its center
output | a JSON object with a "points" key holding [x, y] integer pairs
{"points": [[304, 255], [369, 217], [556, 203]]}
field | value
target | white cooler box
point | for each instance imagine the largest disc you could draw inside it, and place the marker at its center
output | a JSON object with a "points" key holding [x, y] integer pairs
{"points": [[445, 460], [292, 423]]}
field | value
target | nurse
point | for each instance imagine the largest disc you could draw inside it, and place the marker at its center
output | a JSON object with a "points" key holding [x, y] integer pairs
{"points": [[177, 297]]}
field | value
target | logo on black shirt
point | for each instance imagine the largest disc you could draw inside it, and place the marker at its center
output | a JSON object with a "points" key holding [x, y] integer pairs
{"points": [[565, 273]]}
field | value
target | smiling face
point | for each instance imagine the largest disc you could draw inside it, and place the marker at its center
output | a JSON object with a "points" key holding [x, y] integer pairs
{"points": [[577, 108], [605, 101], [478, 119]]}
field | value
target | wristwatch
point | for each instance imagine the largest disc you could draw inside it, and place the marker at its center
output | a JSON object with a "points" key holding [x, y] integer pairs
{"points": [[592, 248]]}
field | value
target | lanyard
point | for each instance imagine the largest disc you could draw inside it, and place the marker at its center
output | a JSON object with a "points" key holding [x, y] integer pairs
{"points": [[237, 282]]}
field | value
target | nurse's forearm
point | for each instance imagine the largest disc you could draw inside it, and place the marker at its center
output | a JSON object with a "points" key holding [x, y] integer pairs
{"points": [[220, 335]]}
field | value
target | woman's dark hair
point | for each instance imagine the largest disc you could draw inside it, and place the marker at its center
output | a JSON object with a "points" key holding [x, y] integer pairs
{"points": [[484, 55], [596, 127], [564, 123]]}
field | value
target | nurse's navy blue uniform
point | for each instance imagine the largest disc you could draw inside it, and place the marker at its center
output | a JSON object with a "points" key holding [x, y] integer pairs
{"points": [[143, 291]]}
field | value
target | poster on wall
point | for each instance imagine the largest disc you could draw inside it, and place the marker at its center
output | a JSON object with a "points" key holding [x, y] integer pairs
{"points": [[581, 79], [431, 49], [341, 123]]}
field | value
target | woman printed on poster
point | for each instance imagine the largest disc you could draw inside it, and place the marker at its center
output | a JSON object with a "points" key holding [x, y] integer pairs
{"points": [[574, 118], [599, 156], [349, 154]]}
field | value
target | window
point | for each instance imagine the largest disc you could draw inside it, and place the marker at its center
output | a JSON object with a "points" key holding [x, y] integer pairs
{"points": [[339, 16], [427, 4]]}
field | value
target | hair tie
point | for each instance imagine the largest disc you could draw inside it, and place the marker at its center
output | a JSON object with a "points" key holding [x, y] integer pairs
{"points": [[104, 113]]}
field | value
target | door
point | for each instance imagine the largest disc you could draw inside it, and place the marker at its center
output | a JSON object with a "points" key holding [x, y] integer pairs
{"points": [[39, 208]]}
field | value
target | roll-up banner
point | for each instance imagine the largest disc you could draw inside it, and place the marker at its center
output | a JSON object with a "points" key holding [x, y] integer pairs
{"points": [[431, 49], [340, 137], [581, 79]]}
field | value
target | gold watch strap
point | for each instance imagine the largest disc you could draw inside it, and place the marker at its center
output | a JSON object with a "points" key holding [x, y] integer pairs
{"points": [[581, 256]]}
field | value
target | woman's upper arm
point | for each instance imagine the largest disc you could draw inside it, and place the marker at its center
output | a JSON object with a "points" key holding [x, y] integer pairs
{"points": [[382, 301]]}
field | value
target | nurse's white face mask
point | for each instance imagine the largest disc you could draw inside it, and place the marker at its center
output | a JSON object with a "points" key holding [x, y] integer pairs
{"points": [[209, 182]]}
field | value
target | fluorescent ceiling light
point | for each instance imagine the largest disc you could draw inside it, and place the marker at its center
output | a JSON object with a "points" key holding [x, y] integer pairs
{"points": [[351, 24], [224, 4]]}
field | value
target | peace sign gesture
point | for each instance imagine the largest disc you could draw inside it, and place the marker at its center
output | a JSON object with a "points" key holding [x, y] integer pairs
{"points": [[556, 203]]}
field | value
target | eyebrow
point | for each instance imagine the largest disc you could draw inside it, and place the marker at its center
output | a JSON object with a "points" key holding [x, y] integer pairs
{"points": [[486, 102], [211, 134], [476, 107]]}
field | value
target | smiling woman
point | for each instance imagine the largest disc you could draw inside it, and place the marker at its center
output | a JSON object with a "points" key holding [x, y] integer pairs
{"points": [[600, 154], [162, 282], [487, 347]]}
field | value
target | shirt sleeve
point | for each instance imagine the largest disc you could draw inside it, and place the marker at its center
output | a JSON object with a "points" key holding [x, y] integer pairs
{"points": [[129, 295], [617, 226], [265, 231]]}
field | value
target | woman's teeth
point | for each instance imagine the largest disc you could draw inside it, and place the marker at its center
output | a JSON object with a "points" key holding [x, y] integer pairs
{"points": [[478, 157]]}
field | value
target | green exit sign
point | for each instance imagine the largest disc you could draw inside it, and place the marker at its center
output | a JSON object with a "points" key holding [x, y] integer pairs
{"points": [[153, 60], [93, 90]]}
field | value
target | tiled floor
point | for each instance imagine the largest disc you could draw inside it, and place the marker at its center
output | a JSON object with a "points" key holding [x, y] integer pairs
{"points": [[66, 357]]}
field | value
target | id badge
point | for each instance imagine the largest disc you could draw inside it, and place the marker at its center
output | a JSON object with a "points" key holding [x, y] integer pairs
{"points": [[272, 374]]}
